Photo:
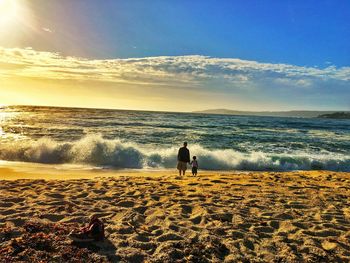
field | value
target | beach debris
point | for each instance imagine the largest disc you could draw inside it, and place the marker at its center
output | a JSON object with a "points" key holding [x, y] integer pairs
{"points": [[40, 241]]}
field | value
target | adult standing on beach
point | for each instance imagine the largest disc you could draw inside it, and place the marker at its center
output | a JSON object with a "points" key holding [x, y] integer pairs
{"points": [[183, 157]]}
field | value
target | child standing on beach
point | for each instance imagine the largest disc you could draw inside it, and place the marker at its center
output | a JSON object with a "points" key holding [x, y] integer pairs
{"points": [[194, 165]]}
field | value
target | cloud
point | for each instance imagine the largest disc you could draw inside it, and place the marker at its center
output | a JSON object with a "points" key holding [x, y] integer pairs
{"points": [[46, 29], [189, 72], [189, 68]]}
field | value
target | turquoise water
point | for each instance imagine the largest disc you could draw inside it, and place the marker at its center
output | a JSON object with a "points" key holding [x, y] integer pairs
{"points": [[138, 139]]}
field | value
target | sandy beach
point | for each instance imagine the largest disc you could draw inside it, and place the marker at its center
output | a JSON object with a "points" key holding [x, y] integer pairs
{"points": [[160, 217]]}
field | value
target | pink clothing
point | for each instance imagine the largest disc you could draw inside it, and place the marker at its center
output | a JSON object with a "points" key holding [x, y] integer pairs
{"points": [[194, 163]]}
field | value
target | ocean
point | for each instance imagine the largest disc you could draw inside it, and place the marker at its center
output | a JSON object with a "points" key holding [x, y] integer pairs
{"points": [[117, 139]]}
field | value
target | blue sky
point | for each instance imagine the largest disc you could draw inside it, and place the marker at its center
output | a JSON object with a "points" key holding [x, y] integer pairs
{"points": [[312, 35], [295, 32]]}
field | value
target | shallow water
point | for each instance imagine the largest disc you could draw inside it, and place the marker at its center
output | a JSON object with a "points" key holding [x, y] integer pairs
{"points": [[138, 139]]}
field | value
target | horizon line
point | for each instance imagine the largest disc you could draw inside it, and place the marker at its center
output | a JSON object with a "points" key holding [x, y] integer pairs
{"points": [[166, 111]]}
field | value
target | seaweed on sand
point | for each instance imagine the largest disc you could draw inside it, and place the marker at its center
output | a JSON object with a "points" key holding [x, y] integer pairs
{"points": [[38, 241]]}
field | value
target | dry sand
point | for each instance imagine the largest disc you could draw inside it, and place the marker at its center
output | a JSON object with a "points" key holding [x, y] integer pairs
{"points": [[215, 217]]}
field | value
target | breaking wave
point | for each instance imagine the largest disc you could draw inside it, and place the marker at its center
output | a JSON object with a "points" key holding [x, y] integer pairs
{"points": [[97, 151]]}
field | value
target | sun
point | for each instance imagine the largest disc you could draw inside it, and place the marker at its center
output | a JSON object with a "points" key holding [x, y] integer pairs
{"points": [[9, 12]]}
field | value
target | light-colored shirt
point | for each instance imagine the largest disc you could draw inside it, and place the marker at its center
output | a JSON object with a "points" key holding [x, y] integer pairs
{"points": [[194, 163]]}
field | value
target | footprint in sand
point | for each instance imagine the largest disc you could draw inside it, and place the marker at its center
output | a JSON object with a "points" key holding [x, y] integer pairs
{"points": [[141, 209], [335, 226], [55, 195], [223, 217], [225, 177], [274, 224], [237, 234], [155, 197], [9, 212], [169, 237], [322, 233], [284, 216], [249, 244], [196, 219], [141, 238], [198, 215], [172, 187], [6, 204], [52, 217], [295, 205], [302, 225], [125, 203], [264, 229], [18, 221], [157, 232], [185, 209], [82, 195], [218, 182], [14, 200], [124, 230]]}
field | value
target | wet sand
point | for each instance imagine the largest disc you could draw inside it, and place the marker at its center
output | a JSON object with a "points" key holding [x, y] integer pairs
{"points": [[214, 217]]}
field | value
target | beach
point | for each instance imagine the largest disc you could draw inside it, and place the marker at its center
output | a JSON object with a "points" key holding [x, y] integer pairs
{"points": [[105, 104], [157, 216]]}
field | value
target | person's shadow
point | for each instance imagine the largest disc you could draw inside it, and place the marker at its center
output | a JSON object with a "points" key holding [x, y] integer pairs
{"points": [[103, 248]]}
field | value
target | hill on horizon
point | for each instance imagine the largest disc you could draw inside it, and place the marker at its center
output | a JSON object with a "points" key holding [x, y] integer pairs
{"points": [[292, 113]]}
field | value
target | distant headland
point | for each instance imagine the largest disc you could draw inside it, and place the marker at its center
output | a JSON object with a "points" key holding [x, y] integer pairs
{"points": [[336, 115], [293, 113]]}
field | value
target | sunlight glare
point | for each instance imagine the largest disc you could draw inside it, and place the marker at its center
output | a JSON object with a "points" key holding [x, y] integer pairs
{"points": [[9, 12]]}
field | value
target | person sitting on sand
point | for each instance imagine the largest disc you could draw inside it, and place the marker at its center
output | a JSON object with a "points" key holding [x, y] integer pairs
{"points": [[183, 157], [194, 164], [94, 231]]}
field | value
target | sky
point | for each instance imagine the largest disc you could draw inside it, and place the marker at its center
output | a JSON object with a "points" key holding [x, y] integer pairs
{"points": [[176, 55]]}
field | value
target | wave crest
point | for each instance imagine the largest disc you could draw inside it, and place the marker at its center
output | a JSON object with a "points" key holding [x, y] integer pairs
{"points": [[97, 151]]}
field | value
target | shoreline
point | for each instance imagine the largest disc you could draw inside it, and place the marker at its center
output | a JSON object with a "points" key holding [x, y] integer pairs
{"points": [[25, 170], [33, 171]]}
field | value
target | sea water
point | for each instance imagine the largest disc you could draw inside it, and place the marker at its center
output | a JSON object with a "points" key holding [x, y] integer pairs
{"points": [[142, 139]]}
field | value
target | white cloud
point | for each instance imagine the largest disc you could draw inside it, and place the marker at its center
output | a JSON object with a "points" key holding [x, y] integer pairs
{"points": [[189, 71], [46, 29]]}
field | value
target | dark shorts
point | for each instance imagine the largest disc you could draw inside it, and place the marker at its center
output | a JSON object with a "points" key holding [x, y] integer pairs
{"points": [[194, 170]]}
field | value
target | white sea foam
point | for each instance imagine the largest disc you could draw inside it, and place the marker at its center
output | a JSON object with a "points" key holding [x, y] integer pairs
{"points": [[97, 151]]}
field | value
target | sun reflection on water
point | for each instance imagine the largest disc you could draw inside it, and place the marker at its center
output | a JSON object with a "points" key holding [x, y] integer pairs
{"points": [[6, 115]]}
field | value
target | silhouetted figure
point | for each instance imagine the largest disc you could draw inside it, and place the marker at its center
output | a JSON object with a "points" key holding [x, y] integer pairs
{"points": [[194, 165], [183, 157]]}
